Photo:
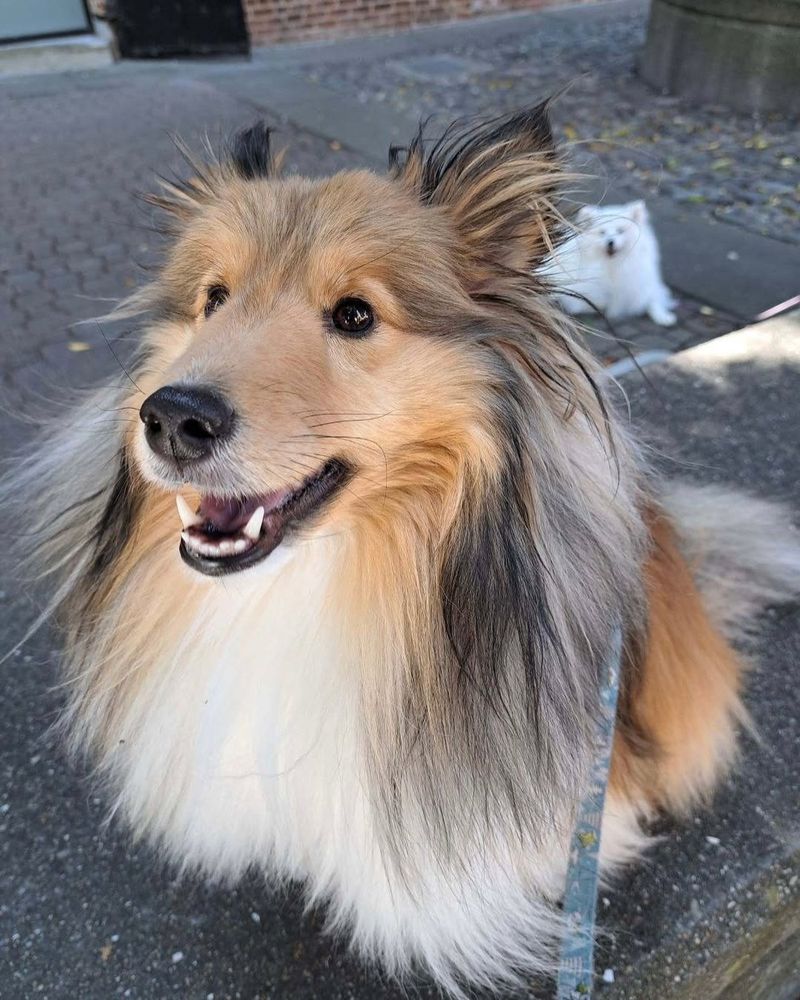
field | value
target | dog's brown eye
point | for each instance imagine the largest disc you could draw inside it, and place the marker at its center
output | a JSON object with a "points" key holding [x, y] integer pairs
{"points": [[215, 297], [353, 317]]}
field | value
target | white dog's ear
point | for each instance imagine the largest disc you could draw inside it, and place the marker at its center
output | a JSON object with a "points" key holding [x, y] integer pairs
{"points": [[637, 211], [584, 215]]}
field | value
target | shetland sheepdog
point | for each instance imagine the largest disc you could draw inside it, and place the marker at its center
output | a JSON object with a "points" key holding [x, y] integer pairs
{"points": [[338, 578]]}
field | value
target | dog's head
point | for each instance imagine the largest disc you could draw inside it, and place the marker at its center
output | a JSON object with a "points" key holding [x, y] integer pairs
{"points": [[611, 230], [321, 343]]}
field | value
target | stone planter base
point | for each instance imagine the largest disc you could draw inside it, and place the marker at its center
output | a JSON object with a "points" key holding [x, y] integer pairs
{"points": [[744, 55]]}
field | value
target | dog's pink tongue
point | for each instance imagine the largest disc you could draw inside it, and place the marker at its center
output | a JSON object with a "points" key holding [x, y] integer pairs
{"points": [[230, 515]]}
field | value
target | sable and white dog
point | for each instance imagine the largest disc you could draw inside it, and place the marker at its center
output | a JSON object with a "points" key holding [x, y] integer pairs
{"points": [[612, 265], [364, 650]]}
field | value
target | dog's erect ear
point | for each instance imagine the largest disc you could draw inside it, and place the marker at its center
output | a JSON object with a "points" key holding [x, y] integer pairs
{"points": [[496, 181], [637, 210], [247, 155], [585, 215], [250, 154]]}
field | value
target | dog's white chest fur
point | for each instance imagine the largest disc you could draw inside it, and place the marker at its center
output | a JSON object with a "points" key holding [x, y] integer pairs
{"points": [[244, 748]]}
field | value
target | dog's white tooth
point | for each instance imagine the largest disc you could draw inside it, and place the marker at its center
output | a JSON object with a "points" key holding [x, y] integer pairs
{"points": [[253, 527], [241, 544], [226, 548], [186, 514], [190, 541]]}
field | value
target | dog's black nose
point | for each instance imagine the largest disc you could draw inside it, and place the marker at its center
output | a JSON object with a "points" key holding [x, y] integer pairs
{"points": [[610, 248], [185, 423]]}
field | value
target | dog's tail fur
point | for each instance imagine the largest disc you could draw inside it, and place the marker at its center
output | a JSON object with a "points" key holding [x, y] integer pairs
{"points": [[717, 558], [744, 551]]}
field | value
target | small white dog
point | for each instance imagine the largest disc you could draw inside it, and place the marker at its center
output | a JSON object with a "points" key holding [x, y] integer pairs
{"points": [[612, 265]]}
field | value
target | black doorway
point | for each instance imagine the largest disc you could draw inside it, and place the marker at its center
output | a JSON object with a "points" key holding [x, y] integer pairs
{"points": [[153, 29]]}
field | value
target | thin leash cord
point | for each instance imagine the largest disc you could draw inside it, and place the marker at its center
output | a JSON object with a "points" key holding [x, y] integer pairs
{"points": [[576, 962]]}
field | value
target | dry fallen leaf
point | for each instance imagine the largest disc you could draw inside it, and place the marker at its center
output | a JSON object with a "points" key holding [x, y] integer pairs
{"points": [[105, 952], [78, 345]]}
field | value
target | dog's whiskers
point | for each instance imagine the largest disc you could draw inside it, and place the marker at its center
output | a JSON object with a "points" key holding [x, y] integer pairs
{"points": [[349, 420]]}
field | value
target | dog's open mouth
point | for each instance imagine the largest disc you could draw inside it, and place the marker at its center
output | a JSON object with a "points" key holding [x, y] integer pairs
{"points": [[225, 536]]}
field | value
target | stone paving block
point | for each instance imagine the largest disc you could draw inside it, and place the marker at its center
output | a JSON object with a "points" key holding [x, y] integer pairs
{"points": [[442, 66], [73, 226], [23, 281], [63, 283]]}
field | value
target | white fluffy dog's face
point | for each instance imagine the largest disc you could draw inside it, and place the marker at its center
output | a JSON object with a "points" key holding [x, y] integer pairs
{"points": [[610, 230]]}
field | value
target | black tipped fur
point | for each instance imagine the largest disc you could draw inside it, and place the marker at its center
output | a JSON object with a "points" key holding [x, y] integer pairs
{"points": [[250, 152], [462, 142], [114, 528], [508, 659], [497, 179]]}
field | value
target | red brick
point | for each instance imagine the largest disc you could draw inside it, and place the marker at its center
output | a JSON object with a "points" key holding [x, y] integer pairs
{"points": [[293, 20]]}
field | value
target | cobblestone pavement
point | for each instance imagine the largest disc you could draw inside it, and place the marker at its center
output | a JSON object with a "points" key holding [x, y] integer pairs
{"points": [[78, 149], [731, 167]]}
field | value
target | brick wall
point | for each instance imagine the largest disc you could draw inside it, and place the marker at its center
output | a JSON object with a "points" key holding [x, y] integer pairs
{"points": [[303, 20]]}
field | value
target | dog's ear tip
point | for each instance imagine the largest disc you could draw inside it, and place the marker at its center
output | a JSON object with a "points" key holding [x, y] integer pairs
{"points": [[249, 151], [540, 111], [495, 178], [258, 130], [527, 125], [397, 154], [534, 119], [465, 134]]}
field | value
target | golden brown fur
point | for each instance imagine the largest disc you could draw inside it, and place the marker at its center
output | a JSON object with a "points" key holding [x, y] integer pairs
{"points": [[686, 687]]}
